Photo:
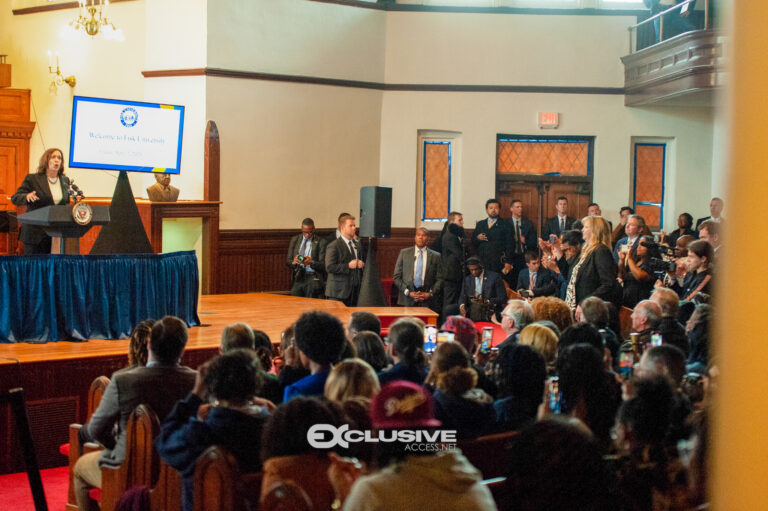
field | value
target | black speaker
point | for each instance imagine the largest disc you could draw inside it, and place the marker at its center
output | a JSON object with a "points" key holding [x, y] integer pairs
{"points": [[375, 212]]}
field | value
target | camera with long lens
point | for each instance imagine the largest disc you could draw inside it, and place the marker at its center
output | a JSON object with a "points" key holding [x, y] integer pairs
{"points": [[670, 251], [661, 266]]}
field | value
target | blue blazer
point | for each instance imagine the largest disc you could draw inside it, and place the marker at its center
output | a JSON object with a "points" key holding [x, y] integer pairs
{"points": [[545, 285]]}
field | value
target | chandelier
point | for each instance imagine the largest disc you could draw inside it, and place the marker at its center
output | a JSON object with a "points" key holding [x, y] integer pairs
{"points": [[92, 18]]}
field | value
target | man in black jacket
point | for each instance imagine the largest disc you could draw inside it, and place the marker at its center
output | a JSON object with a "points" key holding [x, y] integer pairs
{"points": [[491, 240], [452, 258], [522, 240], [417, 274], [306, 259], [560, 222], [672, 332]]}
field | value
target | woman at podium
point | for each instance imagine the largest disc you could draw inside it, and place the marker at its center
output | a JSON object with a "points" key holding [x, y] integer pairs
{"points": [[46, 187]]}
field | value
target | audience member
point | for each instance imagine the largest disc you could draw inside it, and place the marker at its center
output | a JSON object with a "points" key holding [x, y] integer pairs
{"points": [[523, 240], [593, 209], [634, 229], [287, 455], [159, 384], [351, 378], [409, 479], [672, 332], [138, 351], [553, 309], [406, 347], [697, 329], [559, 223], [363, 320], [520, 373], [715, 211], [482, 294], [589, 393], [582, 333], [646, 317], [699, 274], [561, 257], [416, 274], [635, 273], [291, 368], [516, 315], [535, 280], [371, 349], [233, 422], [646, 477], [620, 230], [684, 228], [709, 231], [466, 334], [556, 465], [320, 340], [543, 340], [459, 404], [491, 240], [594, 273], [236, 336], [595, 311]]}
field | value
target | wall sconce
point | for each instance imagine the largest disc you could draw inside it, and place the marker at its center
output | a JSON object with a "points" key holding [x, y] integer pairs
{"points": [[59, 79]]}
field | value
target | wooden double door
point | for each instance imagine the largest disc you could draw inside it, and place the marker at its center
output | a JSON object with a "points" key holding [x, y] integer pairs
{"points": [[539, 195]]}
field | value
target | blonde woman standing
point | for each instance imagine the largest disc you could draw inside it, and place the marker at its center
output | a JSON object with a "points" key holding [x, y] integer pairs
{"points": [[595, 272]]}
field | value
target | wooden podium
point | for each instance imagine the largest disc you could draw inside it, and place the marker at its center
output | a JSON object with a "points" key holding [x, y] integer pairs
{"points": [[152, 216]]}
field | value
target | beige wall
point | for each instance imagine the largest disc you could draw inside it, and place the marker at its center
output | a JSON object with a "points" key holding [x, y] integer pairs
{"points": [[289, 151]]}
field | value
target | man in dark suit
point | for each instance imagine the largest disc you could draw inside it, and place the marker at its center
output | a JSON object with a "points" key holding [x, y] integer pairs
{"points": [[344, 264], [522, 239], [544, 280], [633, 229], [306, 259], [560, 222], [453, 258], [417, 274], [715, 211], [593, 209], [159, 384], [491, 239], [336, 233], [481, 286]]}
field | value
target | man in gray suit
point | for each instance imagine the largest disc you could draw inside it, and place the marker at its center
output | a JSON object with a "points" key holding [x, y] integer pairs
{"points": [[344, 264], [306, 257], [417, 275], [161, 383]]}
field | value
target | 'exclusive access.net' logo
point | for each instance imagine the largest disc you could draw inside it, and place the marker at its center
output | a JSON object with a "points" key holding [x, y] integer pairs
{"points": [[327, 436]]}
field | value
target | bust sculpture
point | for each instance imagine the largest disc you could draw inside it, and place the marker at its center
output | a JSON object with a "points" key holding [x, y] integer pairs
{"points": [[162, 191]]}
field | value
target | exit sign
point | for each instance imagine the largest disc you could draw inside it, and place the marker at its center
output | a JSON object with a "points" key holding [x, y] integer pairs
{"points": [[549, 120]]}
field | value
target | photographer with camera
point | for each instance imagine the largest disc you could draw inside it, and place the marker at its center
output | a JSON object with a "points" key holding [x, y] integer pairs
{"points": [[635, 272], [561, 256], [306, 259], [698, 275], [482, 294]]}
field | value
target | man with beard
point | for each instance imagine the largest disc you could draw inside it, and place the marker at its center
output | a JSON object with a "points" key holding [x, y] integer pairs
{"points": [[491, 240]]}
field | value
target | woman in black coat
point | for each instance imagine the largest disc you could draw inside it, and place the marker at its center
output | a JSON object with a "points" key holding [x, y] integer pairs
{"points": [[594, 274], [46, 187]]}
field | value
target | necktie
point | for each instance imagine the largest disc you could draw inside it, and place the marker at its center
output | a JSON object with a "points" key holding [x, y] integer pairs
{"points": [[478, 286], [562, 225], [532, 283], [303, 247], [418, 277], [518, 243], [352, 249]]}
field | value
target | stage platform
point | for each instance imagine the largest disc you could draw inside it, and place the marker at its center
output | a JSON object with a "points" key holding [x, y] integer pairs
{"points": [[56, 375]]}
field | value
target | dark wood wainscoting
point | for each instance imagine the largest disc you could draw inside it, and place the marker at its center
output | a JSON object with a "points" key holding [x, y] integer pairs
{"points": [[254, 260]]}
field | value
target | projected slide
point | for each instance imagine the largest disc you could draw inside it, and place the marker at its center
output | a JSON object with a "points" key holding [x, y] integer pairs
{"points": [[126, 135]]}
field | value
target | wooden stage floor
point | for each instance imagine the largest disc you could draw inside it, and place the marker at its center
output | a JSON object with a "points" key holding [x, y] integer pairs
{"points": [[268, 312], [55, 376]]}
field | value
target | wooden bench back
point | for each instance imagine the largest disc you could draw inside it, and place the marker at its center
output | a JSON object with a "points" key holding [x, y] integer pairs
{"points": [[220, 485], [489, 453], [142, 463]]}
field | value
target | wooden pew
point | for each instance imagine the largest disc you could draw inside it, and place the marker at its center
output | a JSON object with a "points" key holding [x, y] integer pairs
{"points": [[141, 465], [220, 485], [166, 495], [72, 449], [489, 453]]}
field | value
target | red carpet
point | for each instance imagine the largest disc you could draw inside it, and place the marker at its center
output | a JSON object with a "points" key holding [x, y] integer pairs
{"points": [[15, 493]]}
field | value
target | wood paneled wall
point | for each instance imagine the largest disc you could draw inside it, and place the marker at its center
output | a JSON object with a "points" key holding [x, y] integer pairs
{"points": [[254, 260]]}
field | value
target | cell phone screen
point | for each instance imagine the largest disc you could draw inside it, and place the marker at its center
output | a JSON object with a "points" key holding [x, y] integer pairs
{"points": [[485, 346], [626, 365], [430, 339]]}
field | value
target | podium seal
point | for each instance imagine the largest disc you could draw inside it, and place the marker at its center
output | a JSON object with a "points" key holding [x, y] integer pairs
{"points": [[82, 213]]}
